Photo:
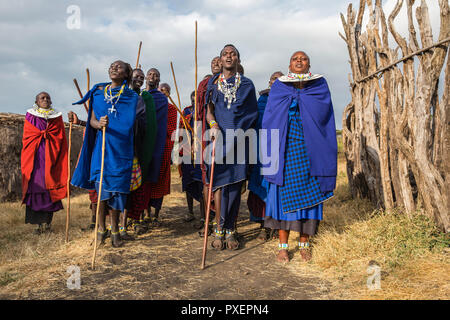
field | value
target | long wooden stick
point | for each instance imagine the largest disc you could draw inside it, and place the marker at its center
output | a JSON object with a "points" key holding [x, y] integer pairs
{"points": [[68, 182], [139, 54], [195, 107], [81, 95], [88, 75], [176, 86], [98, 199], [208, 205]]}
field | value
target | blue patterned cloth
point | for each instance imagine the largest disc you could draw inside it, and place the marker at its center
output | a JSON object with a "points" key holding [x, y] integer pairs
{"points": [[300, 190], [274, 207]]}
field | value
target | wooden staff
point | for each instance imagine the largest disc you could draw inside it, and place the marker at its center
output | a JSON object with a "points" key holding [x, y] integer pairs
{"points": [[208, 206], [88, 75], [139, 54], [88, 79], [195, 106], [98, 198], [81, 95], [68, 183], [179, 100]]}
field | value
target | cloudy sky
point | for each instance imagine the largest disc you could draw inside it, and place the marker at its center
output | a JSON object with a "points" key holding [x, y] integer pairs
{"points": [[39, 52]]}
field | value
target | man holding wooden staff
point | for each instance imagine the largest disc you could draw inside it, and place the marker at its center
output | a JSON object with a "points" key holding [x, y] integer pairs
{"points": [[231, 105], [216, 68], [112, 106]]}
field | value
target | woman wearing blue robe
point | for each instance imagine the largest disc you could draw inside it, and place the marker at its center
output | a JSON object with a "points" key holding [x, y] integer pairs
{"points": [[231, 100], [300, 107], [114, 105]]}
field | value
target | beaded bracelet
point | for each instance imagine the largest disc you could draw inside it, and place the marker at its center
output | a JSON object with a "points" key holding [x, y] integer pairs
{"points": [[212, 123]]}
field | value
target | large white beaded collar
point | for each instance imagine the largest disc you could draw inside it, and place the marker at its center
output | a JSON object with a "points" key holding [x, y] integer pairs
{"points": [[49, 113], [299, 77]]}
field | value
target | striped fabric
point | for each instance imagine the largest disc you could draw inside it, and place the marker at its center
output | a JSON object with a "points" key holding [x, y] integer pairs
{"points": [[300, 190], [162, 187], [136, 175]]}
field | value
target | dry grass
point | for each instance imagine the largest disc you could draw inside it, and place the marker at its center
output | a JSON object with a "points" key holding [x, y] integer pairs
{"points": [[412, 253]]}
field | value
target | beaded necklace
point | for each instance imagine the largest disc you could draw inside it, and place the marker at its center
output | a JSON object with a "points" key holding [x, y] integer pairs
{"points": [[229, 90], [44, 112], [301, 76], [109, 97]]}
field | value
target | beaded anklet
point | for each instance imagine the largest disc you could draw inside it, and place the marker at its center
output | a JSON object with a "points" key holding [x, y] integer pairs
{"points": [[219, 233], [283, 246], [303, 245]]}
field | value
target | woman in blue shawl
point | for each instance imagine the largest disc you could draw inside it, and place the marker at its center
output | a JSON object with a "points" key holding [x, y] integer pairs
{"points": [[231, 105], [300, 107], [111, 105]]}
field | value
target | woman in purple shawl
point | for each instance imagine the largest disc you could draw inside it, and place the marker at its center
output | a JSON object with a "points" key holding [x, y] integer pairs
{"points": [[300, 107]]}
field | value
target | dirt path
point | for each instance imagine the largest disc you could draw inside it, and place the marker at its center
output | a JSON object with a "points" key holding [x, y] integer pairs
{"points": [[165, 264]]}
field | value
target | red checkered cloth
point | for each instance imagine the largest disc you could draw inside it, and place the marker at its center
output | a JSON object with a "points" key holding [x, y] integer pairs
{"points": [[93, 196], [136, 203], [162, 187]]}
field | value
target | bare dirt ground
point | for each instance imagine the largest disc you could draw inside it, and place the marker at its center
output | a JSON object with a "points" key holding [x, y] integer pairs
{"points": [[165, 264]]}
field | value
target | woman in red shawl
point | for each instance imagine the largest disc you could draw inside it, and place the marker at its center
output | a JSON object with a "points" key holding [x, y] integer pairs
{"points": [[43, 163]]}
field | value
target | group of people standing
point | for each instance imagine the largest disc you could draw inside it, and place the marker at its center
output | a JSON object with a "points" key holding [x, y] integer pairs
{"points": [[139, 125]]}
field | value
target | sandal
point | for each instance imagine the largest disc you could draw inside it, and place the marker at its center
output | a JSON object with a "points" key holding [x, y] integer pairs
{"points": [[116, 242], [283, 247], [231, 240], [218, 243], [305, 251], [140, 228], [101, 237]]}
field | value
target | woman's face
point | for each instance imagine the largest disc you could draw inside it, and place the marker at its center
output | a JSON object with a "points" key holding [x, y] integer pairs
{"points": [[299, 63], [44, 101], [117, 71]]}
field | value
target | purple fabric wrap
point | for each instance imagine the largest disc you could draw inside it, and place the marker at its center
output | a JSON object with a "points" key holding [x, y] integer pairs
{"points": [[37, 197]]}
